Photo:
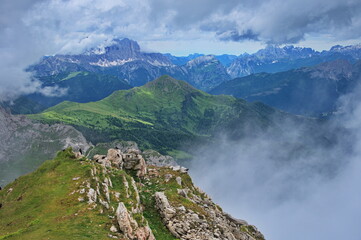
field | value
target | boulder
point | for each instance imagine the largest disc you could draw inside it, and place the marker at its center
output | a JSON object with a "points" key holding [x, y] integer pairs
{"points": [[135, 161], [113, 229], [115, 157]]}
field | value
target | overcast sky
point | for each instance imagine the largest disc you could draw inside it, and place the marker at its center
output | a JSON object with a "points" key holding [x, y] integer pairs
{"points": [[30, 29]]}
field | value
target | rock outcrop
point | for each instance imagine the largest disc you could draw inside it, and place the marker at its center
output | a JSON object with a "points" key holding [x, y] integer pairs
{"points": [[116, 196], [131, 160], [186, 211], [156, 159], [209, 223], [125, 222]]}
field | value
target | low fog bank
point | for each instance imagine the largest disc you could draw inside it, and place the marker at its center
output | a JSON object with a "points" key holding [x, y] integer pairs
{"points": [[292, 184]]}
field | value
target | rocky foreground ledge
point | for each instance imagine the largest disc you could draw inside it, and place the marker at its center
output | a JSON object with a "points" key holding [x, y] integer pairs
{"points": [[116, 196], [186, 211]]}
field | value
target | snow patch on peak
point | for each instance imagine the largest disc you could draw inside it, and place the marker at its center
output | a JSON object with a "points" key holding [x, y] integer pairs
{"points": [[159, 63], [107, 63]]}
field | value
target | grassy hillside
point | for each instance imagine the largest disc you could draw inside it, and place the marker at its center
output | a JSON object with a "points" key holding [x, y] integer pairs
{"points": [[40, 205], [45, 204], [163, 114], [76, 198]]}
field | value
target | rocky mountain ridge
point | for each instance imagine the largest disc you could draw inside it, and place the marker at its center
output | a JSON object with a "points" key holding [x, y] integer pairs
{"points": [[129, 200]]}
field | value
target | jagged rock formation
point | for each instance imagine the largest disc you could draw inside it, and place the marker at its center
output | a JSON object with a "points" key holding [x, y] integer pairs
{"points": [[199, 218], [214, 224], [150, 156], [156, 159], [24, 144], [114, 196], [131, 160]]}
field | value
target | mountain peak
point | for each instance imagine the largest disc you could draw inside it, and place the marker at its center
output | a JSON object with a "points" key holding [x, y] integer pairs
{"points": [[340, 48], [289, 51], [124, 45], [168, 84], [201, 60]]}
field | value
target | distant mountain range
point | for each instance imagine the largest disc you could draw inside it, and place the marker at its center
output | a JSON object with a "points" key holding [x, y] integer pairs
{"points": [[97, 73], [274, 59], [224, 59], [126, 61], [308, 91]]}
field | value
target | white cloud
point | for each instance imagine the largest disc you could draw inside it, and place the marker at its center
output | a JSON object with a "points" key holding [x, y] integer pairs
{"points": [[311, 194]]}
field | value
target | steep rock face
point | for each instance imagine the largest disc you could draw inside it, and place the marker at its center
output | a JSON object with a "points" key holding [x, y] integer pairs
{"points": [[123, 59], [24, 145], [119, 53], [109, 201]]}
